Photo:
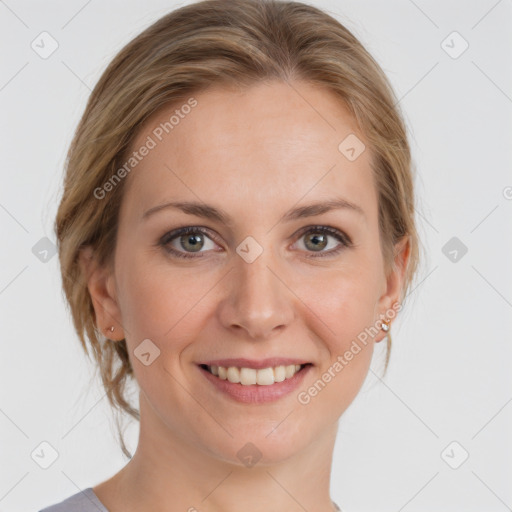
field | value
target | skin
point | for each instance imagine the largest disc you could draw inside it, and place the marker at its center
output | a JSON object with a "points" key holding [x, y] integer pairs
{"points": [[255, 154]]}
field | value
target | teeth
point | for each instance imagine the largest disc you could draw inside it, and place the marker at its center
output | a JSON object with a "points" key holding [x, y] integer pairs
{"points": [[279, 373], [233, 375], [250, 376], [265, 377], [289, 371], [247, 376]]}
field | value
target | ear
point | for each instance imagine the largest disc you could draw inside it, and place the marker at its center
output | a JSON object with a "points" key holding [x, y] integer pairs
{"points": [[394, 282], [101, 285]]}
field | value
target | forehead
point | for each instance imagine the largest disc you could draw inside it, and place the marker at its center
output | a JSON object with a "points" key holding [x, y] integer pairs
{"points": [[269, 143]]}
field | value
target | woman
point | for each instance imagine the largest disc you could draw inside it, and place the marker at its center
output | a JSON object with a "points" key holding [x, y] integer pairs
{"points": [[236, 232]]}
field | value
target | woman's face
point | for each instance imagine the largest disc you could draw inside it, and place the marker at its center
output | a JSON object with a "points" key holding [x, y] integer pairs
{"points": [[258, 277]]}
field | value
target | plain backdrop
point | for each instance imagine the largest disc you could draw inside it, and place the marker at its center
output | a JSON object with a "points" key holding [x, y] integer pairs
{"points": [[435, 433]]}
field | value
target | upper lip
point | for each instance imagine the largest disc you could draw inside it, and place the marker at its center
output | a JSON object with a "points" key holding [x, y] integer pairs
{"points": [[255, 364]]}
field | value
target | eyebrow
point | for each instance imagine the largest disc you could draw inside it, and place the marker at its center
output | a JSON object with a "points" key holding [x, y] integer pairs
{"points": [[210, 212]]}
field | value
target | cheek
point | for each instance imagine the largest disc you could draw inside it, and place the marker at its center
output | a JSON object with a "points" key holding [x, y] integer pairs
{"points": [[345, 300], [157, 299], [345, 303], [166, 308]]}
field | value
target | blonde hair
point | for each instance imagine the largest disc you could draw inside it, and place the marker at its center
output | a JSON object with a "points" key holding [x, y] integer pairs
{"points": [[236, 43]]}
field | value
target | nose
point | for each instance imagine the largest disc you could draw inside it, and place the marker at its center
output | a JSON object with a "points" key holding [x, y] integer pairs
{"points": [[258, 301]]}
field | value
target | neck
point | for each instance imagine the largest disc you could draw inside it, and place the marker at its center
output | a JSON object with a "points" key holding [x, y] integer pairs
{"points": [[169, 473]]}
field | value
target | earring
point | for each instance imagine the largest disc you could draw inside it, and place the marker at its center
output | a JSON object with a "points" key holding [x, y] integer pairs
{"points": [[385, 326], [111, 329]]}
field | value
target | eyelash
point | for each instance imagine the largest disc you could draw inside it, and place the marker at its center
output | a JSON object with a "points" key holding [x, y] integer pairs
{"points": [[339, 235]]}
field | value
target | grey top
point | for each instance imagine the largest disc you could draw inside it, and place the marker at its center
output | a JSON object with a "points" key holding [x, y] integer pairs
{"points": [[83, 501], [86, 501]]}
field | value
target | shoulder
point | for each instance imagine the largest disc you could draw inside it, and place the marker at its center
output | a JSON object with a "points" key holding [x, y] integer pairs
{"points": [[83, 501]]}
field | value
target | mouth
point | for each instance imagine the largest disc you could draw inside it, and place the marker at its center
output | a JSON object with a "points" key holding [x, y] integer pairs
{"points": [[250, 376], [254, 382]]}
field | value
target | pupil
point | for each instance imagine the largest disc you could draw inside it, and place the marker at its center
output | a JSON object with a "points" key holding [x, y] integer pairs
{"points": [[315, 239], [194, 241]]}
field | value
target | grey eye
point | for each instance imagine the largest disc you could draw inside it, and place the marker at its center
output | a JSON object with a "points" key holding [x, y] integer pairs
{"points": [[315, 241]]}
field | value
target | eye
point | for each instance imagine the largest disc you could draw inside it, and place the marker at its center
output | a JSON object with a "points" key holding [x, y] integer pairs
{"points": [[187, 242], [316, 239]]}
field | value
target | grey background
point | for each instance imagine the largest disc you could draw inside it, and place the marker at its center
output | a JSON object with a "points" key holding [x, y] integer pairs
{"points": [[449, 378]]}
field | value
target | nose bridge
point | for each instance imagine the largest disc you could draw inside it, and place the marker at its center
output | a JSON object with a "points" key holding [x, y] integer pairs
{"points": [[258, 302]]}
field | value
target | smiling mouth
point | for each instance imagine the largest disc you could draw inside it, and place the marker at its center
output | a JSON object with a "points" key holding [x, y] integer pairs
{"points": [[251, 376]]}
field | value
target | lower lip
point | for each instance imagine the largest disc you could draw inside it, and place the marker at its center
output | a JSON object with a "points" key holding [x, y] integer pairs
{"points": [[255, 393]]}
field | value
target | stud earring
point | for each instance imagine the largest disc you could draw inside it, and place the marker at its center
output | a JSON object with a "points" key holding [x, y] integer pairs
{"points": [[384, 327], [111, 329]]}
